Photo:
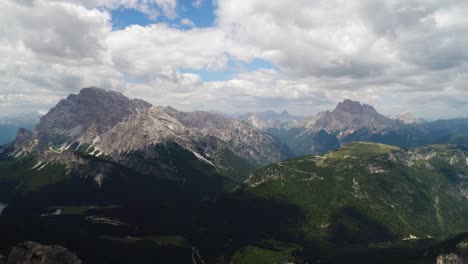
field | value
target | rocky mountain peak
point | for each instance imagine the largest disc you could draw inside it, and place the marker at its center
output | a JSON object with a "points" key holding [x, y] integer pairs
{"points": [[91, 91], [85, 116], [354, 107]]}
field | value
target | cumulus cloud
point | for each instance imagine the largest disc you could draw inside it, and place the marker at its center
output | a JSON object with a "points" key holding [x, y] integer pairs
{"points": [[152, 8], [400, 55], [157, 50], [408, 49], [50, 49], [187, 22]]}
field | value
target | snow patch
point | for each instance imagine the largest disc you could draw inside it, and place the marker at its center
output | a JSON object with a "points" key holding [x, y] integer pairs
{"points": [[18, 154], [79, 145], [200, 157], [57, 211], [68, 146], [99, 179], [96, 140], [411, 237], [96, 152], [37, 165]]}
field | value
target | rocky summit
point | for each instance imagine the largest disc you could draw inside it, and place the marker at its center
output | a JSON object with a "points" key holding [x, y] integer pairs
{"points": [[85, 117]]}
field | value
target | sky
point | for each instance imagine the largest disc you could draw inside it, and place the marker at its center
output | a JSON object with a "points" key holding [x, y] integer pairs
{"points": [[235, 56]]}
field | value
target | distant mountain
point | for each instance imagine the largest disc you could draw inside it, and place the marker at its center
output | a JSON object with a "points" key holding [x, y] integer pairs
{"points": [[10, 124], [270, 120], [353, 121], [366, 192], [407, 118], [347, 118]]}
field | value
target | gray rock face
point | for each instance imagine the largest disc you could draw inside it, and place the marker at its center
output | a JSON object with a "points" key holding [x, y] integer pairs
{"points": [[139, 131], [347, 118], [451, 258], [85, 116], [243, 139], [34, 253], [25, 140], [202, 133]]}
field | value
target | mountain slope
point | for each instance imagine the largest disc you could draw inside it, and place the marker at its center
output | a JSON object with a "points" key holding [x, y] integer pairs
{"points": [[373, 192], [243, 139]]}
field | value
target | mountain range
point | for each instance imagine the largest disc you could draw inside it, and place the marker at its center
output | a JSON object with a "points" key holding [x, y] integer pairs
{"points": [[353, 121], [105, 127], [94, 132]]}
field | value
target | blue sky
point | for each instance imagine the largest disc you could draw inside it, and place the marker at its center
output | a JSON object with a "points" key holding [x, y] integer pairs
{"points": [[234, 68], [202, 16]]}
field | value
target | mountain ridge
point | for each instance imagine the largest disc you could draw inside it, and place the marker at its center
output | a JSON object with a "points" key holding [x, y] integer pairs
{"points": [[107, 126]]}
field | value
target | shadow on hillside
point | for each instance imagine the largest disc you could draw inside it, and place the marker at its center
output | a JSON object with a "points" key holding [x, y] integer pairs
{"points": [[350, 226], [217, 224]]}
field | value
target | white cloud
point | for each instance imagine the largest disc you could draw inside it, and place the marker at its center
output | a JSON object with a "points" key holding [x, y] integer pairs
{"points": [[187, 22], [156, 51], [404, 49], [398, 55], [50, 49], [197, 3], [152, 8]]}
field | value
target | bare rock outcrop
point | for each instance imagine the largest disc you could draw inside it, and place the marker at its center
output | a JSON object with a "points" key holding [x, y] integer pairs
{"points": [[451, 258], [34, 253]]}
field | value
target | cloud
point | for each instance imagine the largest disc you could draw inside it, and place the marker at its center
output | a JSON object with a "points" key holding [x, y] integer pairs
{"points": [[197, 3], [156, 51], [152, 8], [402, 56], [187, 22], [399, 48], [50, 49]]}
